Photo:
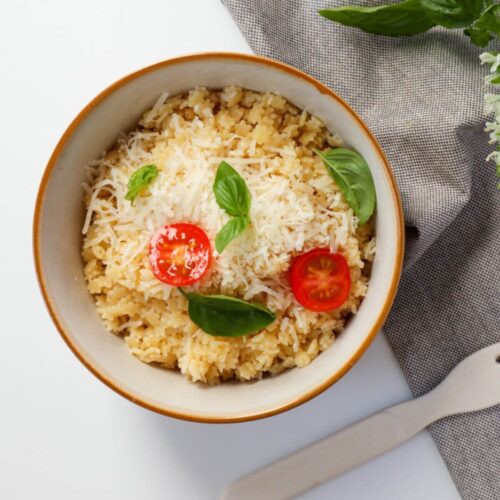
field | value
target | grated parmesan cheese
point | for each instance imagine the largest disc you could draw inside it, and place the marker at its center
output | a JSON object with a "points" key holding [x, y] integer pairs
{"points": [[295, 207]]}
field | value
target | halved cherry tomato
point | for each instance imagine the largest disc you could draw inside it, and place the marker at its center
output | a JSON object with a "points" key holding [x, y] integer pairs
{"points": [[179, 254], [320, 279]]}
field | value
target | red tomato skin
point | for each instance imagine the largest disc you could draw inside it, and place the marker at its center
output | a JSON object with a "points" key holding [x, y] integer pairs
{"points": [[180, 235], [340, 280]]}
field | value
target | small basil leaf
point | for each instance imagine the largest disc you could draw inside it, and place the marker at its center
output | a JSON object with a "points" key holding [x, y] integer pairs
{"points": [[224, 316], [231, 191], [138, 181], [352, 175], [453, 13], [478, 36], [400, 19], [493, 79], [230, 231], [491, 19], [486, 27]]}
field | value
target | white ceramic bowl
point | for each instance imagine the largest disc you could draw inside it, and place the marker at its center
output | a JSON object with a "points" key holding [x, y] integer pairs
{"points": [[59, 217]]}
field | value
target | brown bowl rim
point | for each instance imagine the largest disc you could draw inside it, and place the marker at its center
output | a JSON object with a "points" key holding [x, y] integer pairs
{"points": [[398, 262]]}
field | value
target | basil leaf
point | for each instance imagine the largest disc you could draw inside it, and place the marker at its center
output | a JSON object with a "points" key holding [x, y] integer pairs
{"points": [[352, 175], [453, 13], [138, 181], [405, 18], [490, 19], [224, 316], [486, 27], [233, 196], [478, 36], [231, 191], [230, 231]]}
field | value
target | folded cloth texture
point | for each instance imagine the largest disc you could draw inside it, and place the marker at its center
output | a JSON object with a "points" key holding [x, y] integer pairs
{"points": [[422, 97]]}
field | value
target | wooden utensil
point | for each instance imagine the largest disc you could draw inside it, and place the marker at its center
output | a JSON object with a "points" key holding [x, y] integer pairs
{"points": [[472, 385]]}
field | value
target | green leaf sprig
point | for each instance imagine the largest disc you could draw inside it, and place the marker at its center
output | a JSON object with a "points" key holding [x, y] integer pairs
{"points": [[492, 105], [352, 175], [139, 180], [224, 316], [453, 13], [486, 27], [233, 196], [411, 17], [480, 20], [406, 18]]}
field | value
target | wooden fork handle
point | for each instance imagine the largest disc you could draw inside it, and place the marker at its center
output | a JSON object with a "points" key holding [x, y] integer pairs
{"points": [[335, 454]]}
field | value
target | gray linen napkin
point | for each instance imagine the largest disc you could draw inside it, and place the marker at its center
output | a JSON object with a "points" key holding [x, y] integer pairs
{"points": [[423, 99]]}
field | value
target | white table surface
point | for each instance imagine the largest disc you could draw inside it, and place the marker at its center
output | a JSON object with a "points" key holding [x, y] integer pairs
{"points": [[63, 434]]}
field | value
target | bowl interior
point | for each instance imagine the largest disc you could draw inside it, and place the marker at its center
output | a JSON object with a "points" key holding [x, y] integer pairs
{"points": [[58, 240]]}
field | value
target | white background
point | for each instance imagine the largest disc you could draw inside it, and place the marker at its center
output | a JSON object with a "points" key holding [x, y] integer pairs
{"points": [[64, 435]]}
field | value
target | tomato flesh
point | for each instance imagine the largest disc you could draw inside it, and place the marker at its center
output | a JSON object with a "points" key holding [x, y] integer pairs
{"points": [[179, 254], [320, 279]]}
